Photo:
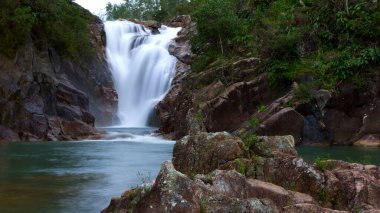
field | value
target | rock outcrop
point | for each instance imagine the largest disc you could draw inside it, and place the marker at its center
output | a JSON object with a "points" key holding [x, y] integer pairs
{"points": [[44, 96], [203, 179]]}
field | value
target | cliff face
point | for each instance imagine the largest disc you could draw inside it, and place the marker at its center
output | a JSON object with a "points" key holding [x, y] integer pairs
{"points": [[44, 96], [236, 97]]}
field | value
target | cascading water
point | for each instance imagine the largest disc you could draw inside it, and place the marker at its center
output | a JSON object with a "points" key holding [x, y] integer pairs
{"points": [[142, 68]]}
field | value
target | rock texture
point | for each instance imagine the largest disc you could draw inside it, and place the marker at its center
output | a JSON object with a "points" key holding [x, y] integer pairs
{"points": [[201, 179], [44, 96]]}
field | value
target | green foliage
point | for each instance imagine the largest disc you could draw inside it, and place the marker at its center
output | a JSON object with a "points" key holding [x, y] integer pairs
{"points": [[249, 141], [254, 122], [199, 117], [262, 108], [323, 163], [147, 9], [217, 22], [62, 23], [329, 40]]}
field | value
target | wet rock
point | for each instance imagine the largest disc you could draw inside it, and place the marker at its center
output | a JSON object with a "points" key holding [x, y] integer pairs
{"points": [[204, 152], [173, 110], [77, 129]]}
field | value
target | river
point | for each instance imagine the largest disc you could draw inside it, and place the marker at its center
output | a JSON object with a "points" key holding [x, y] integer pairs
{"points": [[77, 176]]}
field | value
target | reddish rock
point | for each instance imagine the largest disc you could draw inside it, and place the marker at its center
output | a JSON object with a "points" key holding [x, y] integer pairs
{"points": [[342, 126], [77, 129], [204, 152], [234, 106], [173, 110], [307, 207], [368, 141], [285, 122]]}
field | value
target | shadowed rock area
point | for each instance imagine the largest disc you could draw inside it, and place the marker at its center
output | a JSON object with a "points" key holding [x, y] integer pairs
{"points": [[44, 96]]}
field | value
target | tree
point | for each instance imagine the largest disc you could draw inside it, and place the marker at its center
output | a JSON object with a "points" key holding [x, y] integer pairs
{"points": [[217, 21]]}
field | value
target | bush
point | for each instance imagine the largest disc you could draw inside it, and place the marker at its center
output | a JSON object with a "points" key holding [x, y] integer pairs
{"points": [[62, 23]]}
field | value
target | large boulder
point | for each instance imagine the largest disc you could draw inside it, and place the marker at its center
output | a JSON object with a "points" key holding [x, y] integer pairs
{"points": [[285, 122], [237, 103], [221, 191], [205, 152]]}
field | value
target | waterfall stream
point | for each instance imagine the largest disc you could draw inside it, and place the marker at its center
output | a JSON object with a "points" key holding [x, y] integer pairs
{"points": [[142, 68]]}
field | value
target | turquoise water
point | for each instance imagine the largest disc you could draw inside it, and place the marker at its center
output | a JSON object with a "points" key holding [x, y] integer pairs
{"points": [[77, 176], [60, 177], [351, 154]]}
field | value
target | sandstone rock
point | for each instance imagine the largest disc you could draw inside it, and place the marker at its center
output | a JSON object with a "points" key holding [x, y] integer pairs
{"points": [[172, 111], [204, 152], [285, 122], [180, 21], [368, 141], [225, 191], [270, 146], [342, 126], [307, 207], [234, 106], [77, 129]]}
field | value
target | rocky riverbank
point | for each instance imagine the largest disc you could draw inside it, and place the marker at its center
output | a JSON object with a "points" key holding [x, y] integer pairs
{"points": [[44, 96], [218, 172], [234, 96]]}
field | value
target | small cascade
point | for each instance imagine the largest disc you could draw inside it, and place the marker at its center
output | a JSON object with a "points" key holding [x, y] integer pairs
{"points": [[142, 68]]}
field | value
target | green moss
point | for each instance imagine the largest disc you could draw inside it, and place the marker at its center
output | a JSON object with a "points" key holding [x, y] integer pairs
{"points": [[323, 163]]}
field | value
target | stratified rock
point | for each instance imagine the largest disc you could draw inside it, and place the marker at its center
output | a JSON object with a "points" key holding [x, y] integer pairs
{"points": [[40, 90], [234, 106], [205, 152], [285, 122], [173, 111]]}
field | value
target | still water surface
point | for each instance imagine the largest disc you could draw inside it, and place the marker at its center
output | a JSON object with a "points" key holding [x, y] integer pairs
{"points": [[77, 176], [350, 154]]}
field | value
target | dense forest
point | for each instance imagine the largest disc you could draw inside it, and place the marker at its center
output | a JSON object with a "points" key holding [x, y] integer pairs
{"points": [[61, 22], [334, 41]]}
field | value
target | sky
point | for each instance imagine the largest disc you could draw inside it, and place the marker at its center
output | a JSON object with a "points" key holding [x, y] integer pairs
{"points": [[97, 7]]}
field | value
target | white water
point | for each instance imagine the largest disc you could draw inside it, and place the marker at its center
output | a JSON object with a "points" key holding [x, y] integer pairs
{"points": [[142, 68]]}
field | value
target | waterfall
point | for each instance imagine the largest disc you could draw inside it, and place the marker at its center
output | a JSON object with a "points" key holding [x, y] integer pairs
{"points": [[142, 68]]}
